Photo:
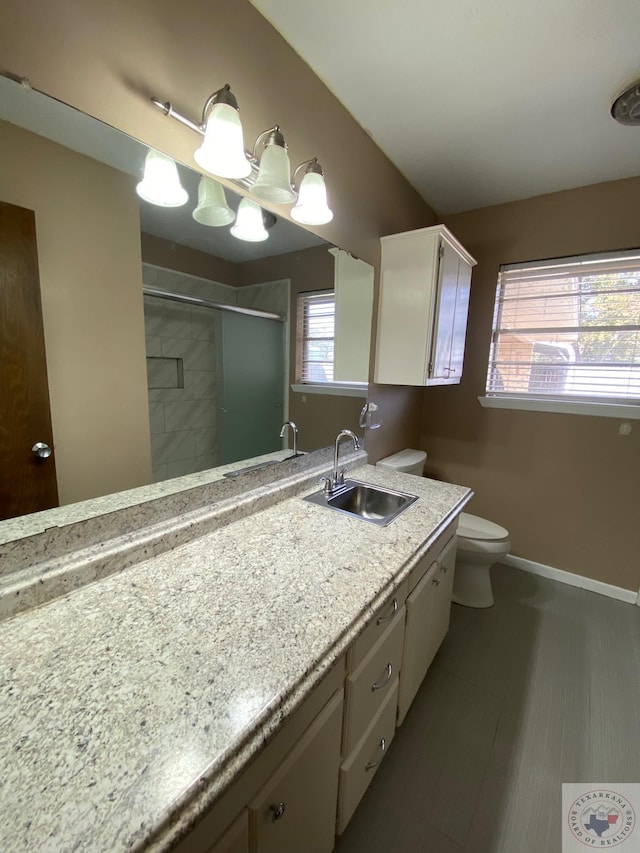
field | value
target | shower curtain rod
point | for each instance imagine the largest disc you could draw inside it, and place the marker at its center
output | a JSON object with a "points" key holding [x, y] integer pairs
{"points": [[208, 303]]}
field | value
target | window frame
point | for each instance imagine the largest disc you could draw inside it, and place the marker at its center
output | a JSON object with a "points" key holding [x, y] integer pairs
{"points": [[303, 299], [569, 403], [334, 387]]}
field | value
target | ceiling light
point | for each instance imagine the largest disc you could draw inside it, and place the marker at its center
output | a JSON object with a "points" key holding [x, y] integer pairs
{"points": [[249, 224], [212, 206], [222, 153], [273, 182], [161, 182], [626, 107], [312, 207]]}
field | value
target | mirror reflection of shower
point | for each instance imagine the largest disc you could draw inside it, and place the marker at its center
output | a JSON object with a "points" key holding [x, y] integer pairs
{"points": [[216, 377]]}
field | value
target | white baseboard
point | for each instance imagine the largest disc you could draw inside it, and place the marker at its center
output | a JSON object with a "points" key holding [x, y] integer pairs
{"points": [[569, 578]]}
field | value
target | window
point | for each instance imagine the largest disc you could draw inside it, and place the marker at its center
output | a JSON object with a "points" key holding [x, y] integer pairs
{"points": [[567, 330], [316, 320]]}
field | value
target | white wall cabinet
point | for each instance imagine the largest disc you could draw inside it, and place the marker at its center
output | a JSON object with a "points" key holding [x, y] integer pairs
{"points": [[425, 282]]}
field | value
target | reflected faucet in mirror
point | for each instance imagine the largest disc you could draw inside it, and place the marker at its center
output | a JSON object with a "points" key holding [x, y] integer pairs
{"points": [[294, 431]]}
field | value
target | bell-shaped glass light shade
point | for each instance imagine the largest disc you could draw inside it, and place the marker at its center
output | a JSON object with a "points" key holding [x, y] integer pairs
{"points": [[312, 208], [273, 182], [161, 182], [212, 206], [222, 150], [249, 224]]}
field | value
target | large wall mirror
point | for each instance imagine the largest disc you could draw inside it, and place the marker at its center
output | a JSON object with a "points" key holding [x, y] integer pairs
{"points": [[142, 385]]}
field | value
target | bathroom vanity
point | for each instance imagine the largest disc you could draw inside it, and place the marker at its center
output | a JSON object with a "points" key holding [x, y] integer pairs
{"points": [[238, 665]]}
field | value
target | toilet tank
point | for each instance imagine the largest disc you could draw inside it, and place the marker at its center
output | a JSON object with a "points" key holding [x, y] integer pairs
{"points": [[407, 461]]}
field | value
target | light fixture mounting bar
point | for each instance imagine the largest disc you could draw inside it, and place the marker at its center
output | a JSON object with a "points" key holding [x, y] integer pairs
{"points": [[168, 110]]}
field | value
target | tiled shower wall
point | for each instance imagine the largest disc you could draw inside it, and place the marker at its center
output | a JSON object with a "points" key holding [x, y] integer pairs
{"points": [[182, 358]]}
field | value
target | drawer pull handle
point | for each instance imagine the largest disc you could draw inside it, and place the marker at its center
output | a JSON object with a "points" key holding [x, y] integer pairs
{"points": [[436, 581], [444, 569], [382, 748], [380, 684], [277, 811], [394, 609]]}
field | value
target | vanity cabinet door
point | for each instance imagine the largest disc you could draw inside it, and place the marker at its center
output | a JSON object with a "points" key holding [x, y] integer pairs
{"points": [[296, 809], [428, 609], [235, 839]]}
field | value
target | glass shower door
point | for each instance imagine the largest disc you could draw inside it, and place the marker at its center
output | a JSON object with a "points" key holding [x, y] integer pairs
{"points": [[251, 386]]}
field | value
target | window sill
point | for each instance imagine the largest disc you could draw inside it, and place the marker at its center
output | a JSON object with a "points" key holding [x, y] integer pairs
{"points": [[335, 389], [568, 407]]}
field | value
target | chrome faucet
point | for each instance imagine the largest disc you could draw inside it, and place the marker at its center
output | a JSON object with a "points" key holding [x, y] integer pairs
{"points": [[337, 477], [294, 430]]}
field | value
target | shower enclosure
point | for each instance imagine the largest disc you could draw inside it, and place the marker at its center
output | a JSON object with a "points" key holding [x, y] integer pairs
{"points": [[216, 370]]}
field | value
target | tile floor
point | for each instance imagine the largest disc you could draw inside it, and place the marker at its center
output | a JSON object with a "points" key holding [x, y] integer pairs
{"points": [[542, 688]]}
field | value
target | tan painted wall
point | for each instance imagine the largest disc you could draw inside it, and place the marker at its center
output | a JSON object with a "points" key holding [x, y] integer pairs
{"points": [[87, 231], [185, 259], [566, 486], [108, 57]]}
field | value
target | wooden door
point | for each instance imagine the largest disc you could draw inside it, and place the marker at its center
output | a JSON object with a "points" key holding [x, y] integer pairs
{"points": [[27, 482]]}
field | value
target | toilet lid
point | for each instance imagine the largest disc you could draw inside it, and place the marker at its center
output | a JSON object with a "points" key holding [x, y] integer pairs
{"points": [[474, 527], [403, 459]]}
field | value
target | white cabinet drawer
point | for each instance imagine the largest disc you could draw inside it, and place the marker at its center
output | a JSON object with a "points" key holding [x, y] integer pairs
{"points": [[376, 628], [360, 767], [369, 683]]}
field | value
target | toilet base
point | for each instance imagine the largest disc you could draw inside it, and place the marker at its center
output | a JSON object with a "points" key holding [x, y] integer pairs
{"points": [[472, 584]]}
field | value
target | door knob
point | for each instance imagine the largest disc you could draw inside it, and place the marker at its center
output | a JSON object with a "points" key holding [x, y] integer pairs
{"points": [[41, 450]]}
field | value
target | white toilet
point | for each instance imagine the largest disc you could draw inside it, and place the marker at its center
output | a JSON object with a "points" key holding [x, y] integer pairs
{"points": [[481, 543]]}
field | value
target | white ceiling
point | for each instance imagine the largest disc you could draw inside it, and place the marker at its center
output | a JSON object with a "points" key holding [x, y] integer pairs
{"points": [[479, 102]]}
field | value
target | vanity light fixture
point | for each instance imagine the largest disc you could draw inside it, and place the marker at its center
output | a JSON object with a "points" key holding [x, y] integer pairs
{"points": [[212, 208], [312, 207], [249, 224], [222, 150], [273, 182], [222, 153], [161, 182]]}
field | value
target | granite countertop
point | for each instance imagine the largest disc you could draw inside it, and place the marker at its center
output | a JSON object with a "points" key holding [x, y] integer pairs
{"points": [[130, 704]]}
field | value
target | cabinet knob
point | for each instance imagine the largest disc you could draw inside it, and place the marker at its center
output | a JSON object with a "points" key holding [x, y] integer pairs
{"points": [[436, 581], [277, 811]]}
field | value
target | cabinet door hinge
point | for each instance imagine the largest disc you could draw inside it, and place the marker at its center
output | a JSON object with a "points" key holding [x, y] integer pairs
{"points": [[441, 251]]}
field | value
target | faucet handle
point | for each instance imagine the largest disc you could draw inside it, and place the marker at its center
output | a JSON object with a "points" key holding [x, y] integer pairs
{"points": [[340, 477], [327, 485]]}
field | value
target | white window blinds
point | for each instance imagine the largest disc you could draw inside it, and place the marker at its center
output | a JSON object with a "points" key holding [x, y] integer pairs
{"points": [[315, 336], [568, 328]]}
